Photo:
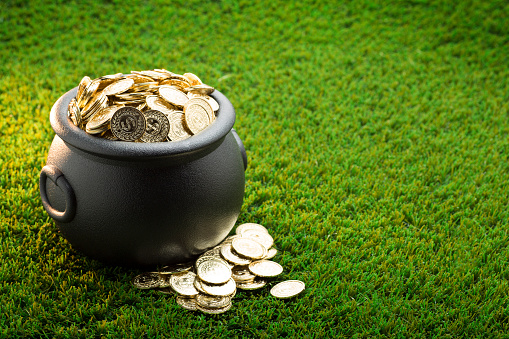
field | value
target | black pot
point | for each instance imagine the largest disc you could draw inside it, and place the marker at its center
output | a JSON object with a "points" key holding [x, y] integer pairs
{"points": [[144, 204]]}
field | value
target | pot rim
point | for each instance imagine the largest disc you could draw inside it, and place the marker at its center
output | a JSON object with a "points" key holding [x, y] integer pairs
{"points": [[70, 133]]}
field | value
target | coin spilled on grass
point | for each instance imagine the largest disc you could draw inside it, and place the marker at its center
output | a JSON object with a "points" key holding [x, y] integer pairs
{"points": [[145, 106], [209, 284]]}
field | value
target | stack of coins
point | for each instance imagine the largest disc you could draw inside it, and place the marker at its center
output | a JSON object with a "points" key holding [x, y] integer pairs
{"points": [[144, 106], [241, 262]]}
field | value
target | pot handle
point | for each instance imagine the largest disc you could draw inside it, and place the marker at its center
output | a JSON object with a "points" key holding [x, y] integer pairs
{"points": [[58, 178], [242, 148]]}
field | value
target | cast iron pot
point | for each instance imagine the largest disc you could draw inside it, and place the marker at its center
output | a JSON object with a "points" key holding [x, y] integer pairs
{"points": [[144, 204]]}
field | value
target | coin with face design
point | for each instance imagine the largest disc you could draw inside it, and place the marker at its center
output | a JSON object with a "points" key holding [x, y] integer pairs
{"points": [[128, 124], [156, 128]]}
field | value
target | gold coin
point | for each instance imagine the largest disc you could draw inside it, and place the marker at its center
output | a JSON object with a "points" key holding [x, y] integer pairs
{"points": [[83, 84], [214, 310], [226, 289], [101, 118], [88, 93], [183, 283], [249, 248], [128, 124], [74, 112], [165, 281], [108, 135], [287, 289], [177, 83], [214, 252], [186, 302], [158, 103], [271, 253], [265, 268], [228, 254], [197, 113], [203, 89], [213, 103], [157, 126], [97, 102], [209, 301], [241, 273], [173, 96], [192, 79], [250, 226], [262, 237], [175, 268], [177, 130], [138, 79], [147, 280], [229, 239], [214, 271], [118, 87], [204, 258], [252, 285]]}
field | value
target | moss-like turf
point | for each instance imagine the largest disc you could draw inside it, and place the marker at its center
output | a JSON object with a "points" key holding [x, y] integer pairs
{"points": [[377, 137]]}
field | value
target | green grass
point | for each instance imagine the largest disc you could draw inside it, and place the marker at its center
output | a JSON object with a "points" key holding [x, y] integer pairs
{"points": [[377, 137]]}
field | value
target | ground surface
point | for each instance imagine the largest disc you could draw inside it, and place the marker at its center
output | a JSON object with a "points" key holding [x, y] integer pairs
{"points": [[377, 138]]}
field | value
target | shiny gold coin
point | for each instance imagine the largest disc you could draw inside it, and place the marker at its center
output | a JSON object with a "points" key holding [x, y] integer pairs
{"points": [[100, 118], [138, 79], [177, 83], [214, 271], [287, 289], [175, 268], [252, 285], [226, 289], [128, 124], [213, 103], [177, 130], [263, 238], [158, 103], [209, 301], [157, 126], [183, 283], [213, 252], [250, 226], [147, 281], [74, 112], [88, 93], [192, 79], [118, 87], [204, 258], [108, 135], [83, 84], [228, 254], [213, 310], [229, 239], [203, 89], [96, 103], [241, 273], [271, 253], [249, 248], [165, 281], [173, 96], [187, 303], [197, 113], [265, 268]]}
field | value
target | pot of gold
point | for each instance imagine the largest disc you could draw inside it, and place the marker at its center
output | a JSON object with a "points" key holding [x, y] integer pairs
{"points": [[145, 168]]}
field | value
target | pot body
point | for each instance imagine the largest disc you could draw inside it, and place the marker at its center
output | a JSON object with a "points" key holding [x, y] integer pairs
{"points": [[149, 211]]}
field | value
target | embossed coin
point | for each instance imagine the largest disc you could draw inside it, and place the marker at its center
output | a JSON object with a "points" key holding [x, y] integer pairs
{"points": [[101, 118], [250, 226], [252, 285], [248, 247], [186, 302], [265, 268], [147, 280], [176, 268], [242, 274], [173, 96], [118, 87], [183, 283], [218, 290], [197, 113], [128, 124], [177, 130], [213, 103], [213, 310], [228, 254], [209, 301], [214, 271], [263, 238], [287, 289], [157, 126], [271, 253], [205, 258]]}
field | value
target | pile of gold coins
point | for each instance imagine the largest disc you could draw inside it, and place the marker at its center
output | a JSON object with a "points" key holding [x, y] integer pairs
{"points": [[208, 285], [145, 106]]}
